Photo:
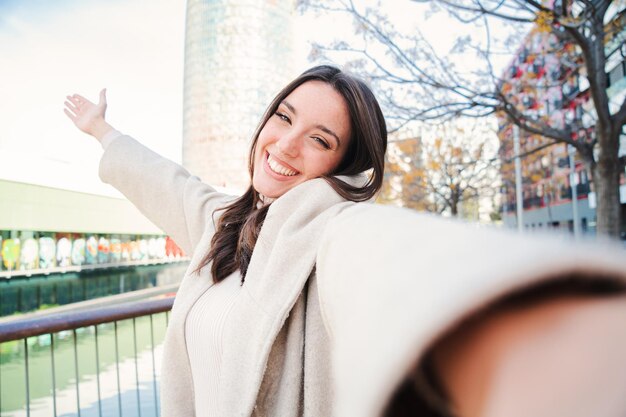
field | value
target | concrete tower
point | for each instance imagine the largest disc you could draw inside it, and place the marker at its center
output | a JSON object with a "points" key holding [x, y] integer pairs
{"points": [[238, 54]]}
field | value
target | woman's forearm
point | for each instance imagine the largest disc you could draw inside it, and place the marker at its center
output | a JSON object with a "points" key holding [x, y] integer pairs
{"points": [[100, 129]]}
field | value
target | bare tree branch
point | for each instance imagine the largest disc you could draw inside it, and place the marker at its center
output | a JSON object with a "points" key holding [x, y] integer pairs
{"points": [[417, 84]]}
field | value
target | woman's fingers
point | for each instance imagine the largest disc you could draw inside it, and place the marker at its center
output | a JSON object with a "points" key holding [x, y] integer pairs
{"points": [[70, 115], [80, 98], [74, 100], [78, 101], [71, 106], [103, 97]]}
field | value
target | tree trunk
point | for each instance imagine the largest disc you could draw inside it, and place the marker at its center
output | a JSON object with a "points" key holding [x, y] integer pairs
{"points": [[454, 203], [606, 181]]}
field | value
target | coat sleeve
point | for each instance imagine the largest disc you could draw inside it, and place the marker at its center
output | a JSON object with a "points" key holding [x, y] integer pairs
{"points": [[392, 281], [166, 193]]}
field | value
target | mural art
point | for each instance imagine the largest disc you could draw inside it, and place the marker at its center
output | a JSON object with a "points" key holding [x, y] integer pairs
{"points": [[73, 249]]}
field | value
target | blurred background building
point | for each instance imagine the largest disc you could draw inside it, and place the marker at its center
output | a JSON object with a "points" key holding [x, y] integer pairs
{"points": [[547, 79], [237, 56], [46, 230]]}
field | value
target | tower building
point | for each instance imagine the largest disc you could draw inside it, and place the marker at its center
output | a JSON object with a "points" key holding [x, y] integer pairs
{"points": [[238, 54]]}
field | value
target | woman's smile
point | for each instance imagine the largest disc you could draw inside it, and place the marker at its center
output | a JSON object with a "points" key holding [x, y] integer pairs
{"points": [[281, 170]]}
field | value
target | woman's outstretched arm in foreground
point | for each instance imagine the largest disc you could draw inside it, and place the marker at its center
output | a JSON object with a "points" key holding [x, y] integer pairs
{"points": [[562, 356], [437, 318]]}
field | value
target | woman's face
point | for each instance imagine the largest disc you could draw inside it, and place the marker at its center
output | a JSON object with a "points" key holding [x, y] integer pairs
{"points": [[305, 138]]}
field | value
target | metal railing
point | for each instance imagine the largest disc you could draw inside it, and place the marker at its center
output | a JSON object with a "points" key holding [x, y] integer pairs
{"points": [[22, 331]]}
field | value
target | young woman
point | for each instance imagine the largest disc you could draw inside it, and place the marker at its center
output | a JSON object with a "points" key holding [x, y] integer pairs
{"points": [[299, 301], [237, 347]]}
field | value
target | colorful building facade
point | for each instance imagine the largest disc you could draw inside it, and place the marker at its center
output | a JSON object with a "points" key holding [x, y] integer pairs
{"points": [[546, 80], [33, 252], [45, 230]]}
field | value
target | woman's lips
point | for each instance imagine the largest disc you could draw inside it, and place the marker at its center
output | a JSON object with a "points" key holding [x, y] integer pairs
{"points": [[281, 177]]}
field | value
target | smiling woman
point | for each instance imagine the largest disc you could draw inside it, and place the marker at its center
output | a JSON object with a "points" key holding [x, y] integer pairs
{"points": [[299, 301], [320, 143]]}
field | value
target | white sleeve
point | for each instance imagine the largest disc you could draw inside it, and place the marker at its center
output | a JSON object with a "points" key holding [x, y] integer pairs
{"points": [[109, 137], [165, 192]]}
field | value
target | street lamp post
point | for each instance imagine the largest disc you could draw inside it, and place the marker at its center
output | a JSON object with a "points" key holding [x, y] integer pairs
{"points": [[573, 183], [518, 180]]}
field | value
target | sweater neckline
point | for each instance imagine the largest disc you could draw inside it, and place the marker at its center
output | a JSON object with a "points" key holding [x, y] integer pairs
{"points": [[264, 201]]}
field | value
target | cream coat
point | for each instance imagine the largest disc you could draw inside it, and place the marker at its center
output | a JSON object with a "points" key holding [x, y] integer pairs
{"points": [[340, 299]]}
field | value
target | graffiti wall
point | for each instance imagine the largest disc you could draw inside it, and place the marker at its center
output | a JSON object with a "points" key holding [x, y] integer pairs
{"points": [[27, 250]]}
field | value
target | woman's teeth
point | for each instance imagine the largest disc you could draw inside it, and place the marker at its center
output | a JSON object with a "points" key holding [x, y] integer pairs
{"points": [[278, 168]]}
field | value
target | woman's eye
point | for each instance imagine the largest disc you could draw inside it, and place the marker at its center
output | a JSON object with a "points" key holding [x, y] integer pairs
{"points": [[283, 117], [321, 142]]}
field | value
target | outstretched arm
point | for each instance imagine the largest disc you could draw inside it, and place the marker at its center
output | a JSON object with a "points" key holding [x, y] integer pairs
{"points": [[390, 292], [166, 193], [87, 116]]}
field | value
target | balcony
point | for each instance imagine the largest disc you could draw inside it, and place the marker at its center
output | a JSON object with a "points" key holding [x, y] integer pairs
{"points": [[582, 190]]}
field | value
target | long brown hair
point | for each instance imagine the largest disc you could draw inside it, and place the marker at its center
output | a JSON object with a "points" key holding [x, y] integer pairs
{"points": [[238, 227]]}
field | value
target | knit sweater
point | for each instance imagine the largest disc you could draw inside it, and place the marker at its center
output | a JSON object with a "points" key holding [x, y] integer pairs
{"points": [[204, 329]]}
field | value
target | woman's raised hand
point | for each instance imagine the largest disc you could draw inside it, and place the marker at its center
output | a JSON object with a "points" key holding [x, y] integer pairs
{"points": [[87, 116]]}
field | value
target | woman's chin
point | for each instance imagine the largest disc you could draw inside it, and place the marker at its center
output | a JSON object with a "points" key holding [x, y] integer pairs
{"points": [[268, 190], [268, 186]]}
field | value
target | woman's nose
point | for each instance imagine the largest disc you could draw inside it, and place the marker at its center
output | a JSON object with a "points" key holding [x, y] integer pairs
{"points": [[289, 145]]}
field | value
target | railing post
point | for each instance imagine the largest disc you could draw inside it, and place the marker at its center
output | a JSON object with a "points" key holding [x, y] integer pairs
{"points": [[98, 371], [136, 367], [27, 382], [76, 372], [156, 402], [54, 386], [117, 370]]}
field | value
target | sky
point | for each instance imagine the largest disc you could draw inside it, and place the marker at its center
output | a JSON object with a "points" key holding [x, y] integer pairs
{"points": [[134, 48], [51, 49]]}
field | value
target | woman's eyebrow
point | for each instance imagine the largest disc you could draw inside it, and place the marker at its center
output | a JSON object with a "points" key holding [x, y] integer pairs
{"points": [[320, 127], [330, 132], [289, 106]]}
